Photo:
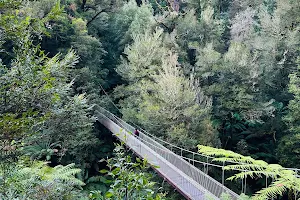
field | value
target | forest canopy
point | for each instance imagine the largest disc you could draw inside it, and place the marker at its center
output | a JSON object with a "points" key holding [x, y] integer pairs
{"points": [[216, 73]]}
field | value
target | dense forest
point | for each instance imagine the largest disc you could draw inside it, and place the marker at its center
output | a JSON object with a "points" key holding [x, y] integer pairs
{"points": [[221, 77]]}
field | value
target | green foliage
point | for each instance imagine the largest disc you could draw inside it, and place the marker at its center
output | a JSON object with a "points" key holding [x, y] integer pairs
{"points": [[132, 19], [71, 126], [128, 179], [31, 90], [292, 118], [41, 150], [38, 104], [283, 180], [38, 181], [19, 18], [288, 150], [219, 73], [229, 54], [29, 85], [245, 80], [160, 97], [142, 62]]}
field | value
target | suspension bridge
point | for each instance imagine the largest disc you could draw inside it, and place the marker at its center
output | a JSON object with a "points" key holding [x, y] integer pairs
{"points": [[173, 164]]}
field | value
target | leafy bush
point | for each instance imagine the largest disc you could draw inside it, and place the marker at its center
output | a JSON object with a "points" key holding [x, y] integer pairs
{"points": [[38, 181]]}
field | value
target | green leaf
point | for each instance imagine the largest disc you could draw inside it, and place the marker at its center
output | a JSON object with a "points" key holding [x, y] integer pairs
{"points": [[109, 194], [103, 171]]}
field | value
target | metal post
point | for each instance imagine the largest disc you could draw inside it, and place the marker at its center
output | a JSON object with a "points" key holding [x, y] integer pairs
{"points": [[193, 158], [245, 185], [272, 181], [223, 175], [140, 147], [181, 152], [296, 173], [206, 164], [242, 185]]}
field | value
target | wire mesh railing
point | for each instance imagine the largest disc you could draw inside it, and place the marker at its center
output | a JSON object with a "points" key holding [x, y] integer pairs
{"points": [[189, 188], [207, 183]]}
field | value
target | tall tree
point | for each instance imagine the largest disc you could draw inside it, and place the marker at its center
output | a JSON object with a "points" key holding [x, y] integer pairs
{"points": [[160, 97]]}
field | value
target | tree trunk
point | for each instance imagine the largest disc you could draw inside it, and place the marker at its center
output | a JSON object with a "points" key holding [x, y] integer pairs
{"points": [[83, 4]]}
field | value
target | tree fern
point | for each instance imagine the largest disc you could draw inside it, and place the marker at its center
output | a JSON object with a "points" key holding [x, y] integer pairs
{"points": [[66, 174], [42, 150], [283, 180], [39, 181]]}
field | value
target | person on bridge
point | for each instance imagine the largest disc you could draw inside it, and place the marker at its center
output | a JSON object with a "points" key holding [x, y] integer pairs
{"points": [[136, 133]]}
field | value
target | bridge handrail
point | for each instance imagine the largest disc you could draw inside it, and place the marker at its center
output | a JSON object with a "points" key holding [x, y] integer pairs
{"points": [[182, 182], [182, 149], [203, 179]]}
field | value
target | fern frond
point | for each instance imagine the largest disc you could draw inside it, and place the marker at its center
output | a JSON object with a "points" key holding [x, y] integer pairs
{"points": [[245, 167], [67, 170], [283, 179], [244, 159], [275, 189], [251, 174], [220, 152], [94, 179], [66, 174]]}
